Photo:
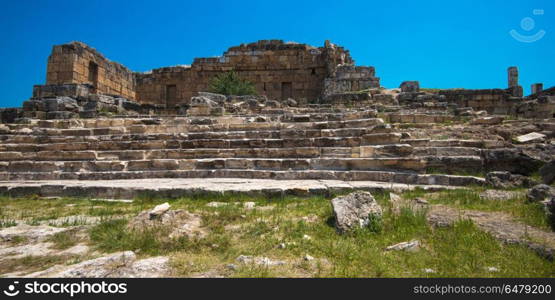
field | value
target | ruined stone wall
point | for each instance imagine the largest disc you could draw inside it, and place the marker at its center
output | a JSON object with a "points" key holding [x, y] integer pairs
{"points": [[547, 92], [154, 87], [350, 78], [10, 114], [494, 101], [77, 63], [279, 71]]}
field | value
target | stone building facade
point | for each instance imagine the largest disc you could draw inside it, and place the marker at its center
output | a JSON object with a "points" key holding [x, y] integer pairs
{"points": [[278, 70], [77, 63]]}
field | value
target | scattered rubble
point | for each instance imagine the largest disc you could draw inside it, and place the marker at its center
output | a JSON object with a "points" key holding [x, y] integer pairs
{"points": [[249, 205], [308, 258], [492, 269], [30, 233], [115, 265], [410, 246], [498, 195], [530, 137], [515, 161], [259, 261], [540, 192], [420, 201], [505, 180], [493, 120], [179, 222], [158, 210], [499, 225], [216, 204]]}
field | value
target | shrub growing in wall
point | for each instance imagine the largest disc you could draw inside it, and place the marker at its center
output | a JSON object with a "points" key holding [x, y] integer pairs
{"points": [[229, 83]]}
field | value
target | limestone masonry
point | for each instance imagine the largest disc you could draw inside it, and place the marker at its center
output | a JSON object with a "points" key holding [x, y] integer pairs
{"points": [[317, 123], [98, 143], [81, 82], [279, 70]]}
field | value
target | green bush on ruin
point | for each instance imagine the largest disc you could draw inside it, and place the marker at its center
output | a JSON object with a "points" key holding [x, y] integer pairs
{"points": [[230, 83]]}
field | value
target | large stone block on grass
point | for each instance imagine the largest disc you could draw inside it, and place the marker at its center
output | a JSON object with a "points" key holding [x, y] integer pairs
{"points": [[356, 210]]}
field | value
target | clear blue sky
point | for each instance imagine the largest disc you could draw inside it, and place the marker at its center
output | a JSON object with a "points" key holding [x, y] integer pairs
{"points": [[443, 44]]}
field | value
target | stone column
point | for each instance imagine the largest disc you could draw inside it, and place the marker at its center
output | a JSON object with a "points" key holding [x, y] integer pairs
{"points": [[513, 76], [537, 88], [330, 56], [515, 89], [410, 86]]}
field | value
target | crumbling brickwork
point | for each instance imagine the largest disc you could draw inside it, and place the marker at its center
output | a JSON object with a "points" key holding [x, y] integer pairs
{"points": [[348, 78], [494, 101], [278, 70], [77, 63]]}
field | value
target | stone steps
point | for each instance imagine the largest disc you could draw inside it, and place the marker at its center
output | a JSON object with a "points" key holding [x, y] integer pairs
{"points": [[69, 153], [184, 143], [419, 118], [483, 144], [271, 134], [389, 142], [353, 176], [447, 151], [299, 152], [288, 147], [391, 163], [193, 144], [170, 188], [183, 128], [126, 121], [287, 117]]}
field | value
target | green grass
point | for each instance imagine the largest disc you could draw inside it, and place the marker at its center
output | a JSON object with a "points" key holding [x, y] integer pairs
{"points": [[536, 176], [464, 249], [65, 240], [517, 206], [31, 263], [361, 253], [18, 240], [5, 222], [34, 210], [458, 251], [113, 235]]}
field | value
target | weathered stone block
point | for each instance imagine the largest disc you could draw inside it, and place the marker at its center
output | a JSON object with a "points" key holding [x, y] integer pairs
{"points": [[381, 138]]}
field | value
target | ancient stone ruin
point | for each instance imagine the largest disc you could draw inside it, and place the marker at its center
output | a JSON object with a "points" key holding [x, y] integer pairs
{"points": [[316, 116], [317, 125]]}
